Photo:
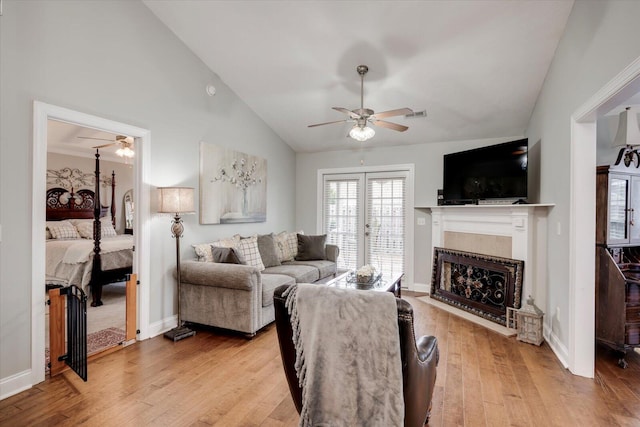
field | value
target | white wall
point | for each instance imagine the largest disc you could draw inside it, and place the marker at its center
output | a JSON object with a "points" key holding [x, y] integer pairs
{"points": [[428, 161], [600, 40], [115, 60], [124, 179]]}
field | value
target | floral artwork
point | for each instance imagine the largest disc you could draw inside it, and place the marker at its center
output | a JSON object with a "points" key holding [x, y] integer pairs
{"points": [[233, 186]]}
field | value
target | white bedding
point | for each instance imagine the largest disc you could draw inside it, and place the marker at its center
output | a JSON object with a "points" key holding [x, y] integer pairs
{"points": [[71, 261]]}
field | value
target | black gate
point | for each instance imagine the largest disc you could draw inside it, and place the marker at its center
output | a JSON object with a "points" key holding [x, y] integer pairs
{"points": [[76, 357]]}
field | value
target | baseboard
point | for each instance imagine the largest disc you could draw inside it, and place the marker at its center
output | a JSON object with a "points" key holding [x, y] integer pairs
{"points": [[162, 326], [15, 383], [556, 346], [470, 317], [421, 287]]}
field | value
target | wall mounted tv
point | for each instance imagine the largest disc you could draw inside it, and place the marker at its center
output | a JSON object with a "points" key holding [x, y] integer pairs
{"points": [[497, 173]]}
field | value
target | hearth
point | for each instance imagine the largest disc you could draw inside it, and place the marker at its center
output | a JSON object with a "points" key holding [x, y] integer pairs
{"points": [[480, 284]]}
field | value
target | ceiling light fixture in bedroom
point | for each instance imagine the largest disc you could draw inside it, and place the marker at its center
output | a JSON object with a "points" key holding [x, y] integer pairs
{"points": [[125, 150]]}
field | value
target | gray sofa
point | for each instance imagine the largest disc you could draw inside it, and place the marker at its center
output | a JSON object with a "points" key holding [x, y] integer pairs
{"points": [[240, 297]]}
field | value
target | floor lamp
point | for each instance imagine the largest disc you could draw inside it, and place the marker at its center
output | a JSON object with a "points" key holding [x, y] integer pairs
{"points": [[177, 201]]}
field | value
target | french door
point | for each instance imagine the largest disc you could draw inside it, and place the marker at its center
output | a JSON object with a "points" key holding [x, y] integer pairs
{"points": [[366, 215]]}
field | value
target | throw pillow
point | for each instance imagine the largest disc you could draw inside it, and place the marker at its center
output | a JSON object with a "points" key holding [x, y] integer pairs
{"points": [[203, 250], [281, 244], [311, 247], [249, 249], [63, 230], [226, 255], [287, 245], [268, 250]]}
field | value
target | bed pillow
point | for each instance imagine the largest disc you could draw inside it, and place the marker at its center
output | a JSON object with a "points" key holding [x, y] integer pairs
{"points": [[311, 247], [268, 250], [227, 255], [203, 250], [249, 249], [106, 228], [63, 230], [85, 228]]}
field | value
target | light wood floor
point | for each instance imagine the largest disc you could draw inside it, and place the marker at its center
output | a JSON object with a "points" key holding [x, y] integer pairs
{"points": [[484, 379]]}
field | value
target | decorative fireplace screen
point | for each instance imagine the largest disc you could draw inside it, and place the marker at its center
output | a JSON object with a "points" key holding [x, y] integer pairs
{"points": [[480, 284]]}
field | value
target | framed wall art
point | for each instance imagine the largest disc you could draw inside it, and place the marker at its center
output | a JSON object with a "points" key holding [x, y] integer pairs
{"points": [[233, 186]]}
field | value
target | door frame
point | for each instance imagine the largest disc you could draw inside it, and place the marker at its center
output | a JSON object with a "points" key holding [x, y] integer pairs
{"points": [[581, 351], [42, 113], [409, 226]]}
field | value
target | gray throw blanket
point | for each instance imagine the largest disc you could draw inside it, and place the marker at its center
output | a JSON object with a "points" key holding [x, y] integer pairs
{"points": [[347, 356]]}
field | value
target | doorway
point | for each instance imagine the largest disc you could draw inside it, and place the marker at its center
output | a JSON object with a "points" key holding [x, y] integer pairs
{"points": [[42, 114], [368, 214], [71, 164], [581, 351]]}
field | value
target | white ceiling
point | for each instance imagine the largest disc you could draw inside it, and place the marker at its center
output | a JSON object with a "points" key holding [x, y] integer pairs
{"points": [[475, 66], [63, 138]]}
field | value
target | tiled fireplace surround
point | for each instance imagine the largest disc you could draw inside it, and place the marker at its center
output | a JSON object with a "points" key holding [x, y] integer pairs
{"points": [[509, 231]]}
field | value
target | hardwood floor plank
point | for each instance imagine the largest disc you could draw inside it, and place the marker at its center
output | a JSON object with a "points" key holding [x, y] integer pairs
{"points": [[219, 378]]}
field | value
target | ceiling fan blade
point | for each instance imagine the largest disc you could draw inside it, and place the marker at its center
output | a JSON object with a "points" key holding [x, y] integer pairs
{"points": [[391, 113], [389, 125], [349, 112], [104, 145], [328, 123], [90, 137]]}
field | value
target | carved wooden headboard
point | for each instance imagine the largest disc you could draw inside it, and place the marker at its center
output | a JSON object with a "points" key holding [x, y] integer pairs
{"points": [[63, 204]]}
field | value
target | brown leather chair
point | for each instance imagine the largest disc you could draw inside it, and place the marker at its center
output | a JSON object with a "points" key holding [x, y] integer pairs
{"points": [[419, 361]]}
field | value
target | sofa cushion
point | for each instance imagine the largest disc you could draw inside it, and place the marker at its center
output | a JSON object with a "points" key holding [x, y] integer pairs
{"points": [[270, 282], [227, 255], [268, 250], [249, 249], [310, 247], [301, 273], [325, 268]]}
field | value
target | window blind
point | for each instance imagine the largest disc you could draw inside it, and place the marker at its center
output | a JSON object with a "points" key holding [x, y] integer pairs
{"points": [[386, 218], [342, 217]]}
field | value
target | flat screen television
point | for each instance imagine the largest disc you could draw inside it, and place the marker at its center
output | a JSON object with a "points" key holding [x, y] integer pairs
{"points": [[493, 173]]}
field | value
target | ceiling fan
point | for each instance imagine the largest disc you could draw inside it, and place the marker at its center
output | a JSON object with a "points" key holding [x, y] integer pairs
{"points": [[125, 142], [363, 116]]}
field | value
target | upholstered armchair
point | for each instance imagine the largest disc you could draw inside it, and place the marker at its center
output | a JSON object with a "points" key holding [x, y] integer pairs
{"points": [[419, 361]]}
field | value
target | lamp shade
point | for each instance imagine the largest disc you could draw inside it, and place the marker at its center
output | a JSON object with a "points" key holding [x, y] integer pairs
{"points": [[628, 132], [175, 200]]}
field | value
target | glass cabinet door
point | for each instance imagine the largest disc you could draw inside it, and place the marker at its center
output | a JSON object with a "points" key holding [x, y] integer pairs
{"points": [[618, 224], [634, 211]]}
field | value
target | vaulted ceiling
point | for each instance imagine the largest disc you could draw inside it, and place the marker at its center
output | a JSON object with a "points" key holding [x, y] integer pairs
{"points": [[476, 66]]}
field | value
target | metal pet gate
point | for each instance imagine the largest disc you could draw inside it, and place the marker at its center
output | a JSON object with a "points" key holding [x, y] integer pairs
{"points": [[75, 333]]}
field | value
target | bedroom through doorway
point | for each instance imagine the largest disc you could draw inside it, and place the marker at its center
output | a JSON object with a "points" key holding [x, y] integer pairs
{"points": [[71, 164]]}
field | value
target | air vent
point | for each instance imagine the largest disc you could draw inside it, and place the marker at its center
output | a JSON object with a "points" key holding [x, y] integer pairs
{"points": [[417, 114]]}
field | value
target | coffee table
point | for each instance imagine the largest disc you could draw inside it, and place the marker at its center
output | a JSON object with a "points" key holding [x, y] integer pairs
{"points": [[387, 283]]}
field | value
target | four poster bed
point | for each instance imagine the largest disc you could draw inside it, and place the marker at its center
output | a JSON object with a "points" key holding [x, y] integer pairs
{"points": [[82, 247]]}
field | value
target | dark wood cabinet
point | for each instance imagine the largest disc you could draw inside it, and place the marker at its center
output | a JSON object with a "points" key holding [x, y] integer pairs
{"points": [[618, 259]]}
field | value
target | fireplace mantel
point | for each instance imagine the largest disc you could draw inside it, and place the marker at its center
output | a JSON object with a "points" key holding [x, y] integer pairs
{"points": [[512, 231]]}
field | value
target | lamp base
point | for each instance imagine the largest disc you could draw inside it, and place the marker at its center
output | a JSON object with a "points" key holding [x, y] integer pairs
{"points": [[178, 333]]}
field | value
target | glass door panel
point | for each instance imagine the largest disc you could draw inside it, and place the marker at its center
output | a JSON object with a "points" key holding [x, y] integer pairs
{"points": [[618, 198]]}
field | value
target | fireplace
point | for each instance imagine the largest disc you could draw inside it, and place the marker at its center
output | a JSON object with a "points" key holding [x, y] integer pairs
{"points": [[480, 284], [513, 232]]}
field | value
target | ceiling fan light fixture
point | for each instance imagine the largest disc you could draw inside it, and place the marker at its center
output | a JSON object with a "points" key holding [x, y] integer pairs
{"points": [[125, 152], [361, 133]]}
